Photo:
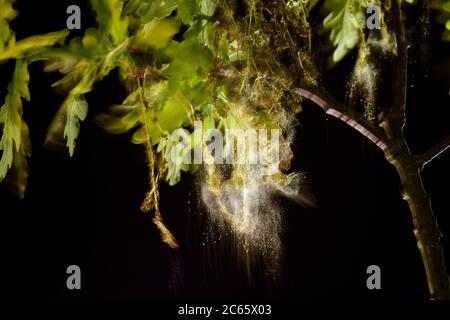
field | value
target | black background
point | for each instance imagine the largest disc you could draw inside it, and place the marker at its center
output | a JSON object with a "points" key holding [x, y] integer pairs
{"points": [[85, 210]]}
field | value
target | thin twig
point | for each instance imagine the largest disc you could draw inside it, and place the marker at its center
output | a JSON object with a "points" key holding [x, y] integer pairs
{"points": [[434, 152]]}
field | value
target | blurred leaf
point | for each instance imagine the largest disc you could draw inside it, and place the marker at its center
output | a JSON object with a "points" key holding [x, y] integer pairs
{"points": [[34, 42], [131, 6], [207, 7], [186, 11], [170, 117], [443, 17], [164, 10], [91, 39], [173, 151], [190, 64], [79, 81], [65, 124], [17, 177], [7, 14], [149, 10], [110, 19], [345, 20], [74, 108], [173, 114], [157, 33], [122, 121], [312, 4]]}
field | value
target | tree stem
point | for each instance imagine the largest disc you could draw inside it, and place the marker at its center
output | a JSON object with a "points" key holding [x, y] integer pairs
{"points": [[426, 228], [397, 153]]}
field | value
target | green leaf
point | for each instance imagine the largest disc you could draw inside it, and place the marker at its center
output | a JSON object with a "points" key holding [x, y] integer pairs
{"points": [[190, 65], [169, 147], [345, 20], [7, 14], [154, 95], [149, 10], [164, 10], [199, 96], [15, 138], [131, 6], [120, 119], [18, 175], [110, 19], [207, 7], [65, 124], [170, 117], [76, 74], [157, 33], [34, 42], [208, 119], [312, 4], [76, 109], [80, 81], [186, 11], [182, 74], [173, 114]]}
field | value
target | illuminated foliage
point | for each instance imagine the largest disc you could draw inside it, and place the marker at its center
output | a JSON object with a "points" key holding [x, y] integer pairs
{"points": [[181, 61], [345, 20], [229, 65]]}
